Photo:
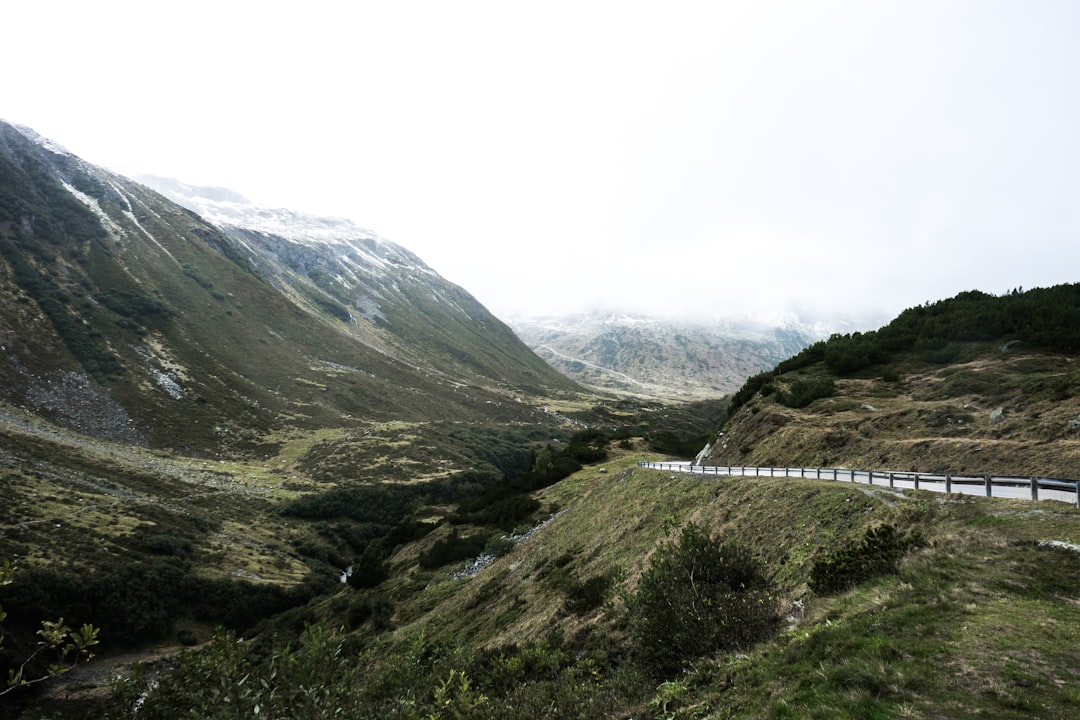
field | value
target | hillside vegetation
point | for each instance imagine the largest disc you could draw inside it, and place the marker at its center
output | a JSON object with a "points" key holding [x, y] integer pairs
{"points": [[973, 384], [877, 604], [127, 317]]}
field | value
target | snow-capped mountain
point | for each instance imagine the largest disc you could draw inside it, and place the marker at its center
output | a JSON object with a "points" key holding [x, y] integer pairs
{"points": [[125, 314]]}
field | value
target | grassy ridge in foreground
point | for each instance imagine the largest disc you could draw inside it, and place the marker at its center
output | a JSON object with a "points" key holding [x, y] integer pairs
{"points": [[982, 617]]}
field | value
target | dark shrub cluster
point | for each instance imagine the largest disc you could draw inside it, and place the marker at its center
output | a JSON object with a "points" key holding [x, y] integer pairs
{"points": [[453, 549], [936, 333], [804, 392], [877, 553], [137, 603], [502, 506]]}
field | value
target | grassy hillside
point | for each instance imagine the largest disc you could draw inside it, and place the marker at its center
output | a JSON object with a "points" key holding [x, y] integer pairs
{"points": [[973, 384], [976, 613]]}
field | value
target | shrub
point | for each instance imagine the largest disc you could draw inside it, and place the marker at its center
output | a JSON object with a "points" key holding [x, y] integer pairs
{"points": [[804, 392], [877, 553], [698, 597], [376, 608], [585, 596], [453, 549], [134, 304], [670, 443], [498, 545], [370, 569], [501, 506]]}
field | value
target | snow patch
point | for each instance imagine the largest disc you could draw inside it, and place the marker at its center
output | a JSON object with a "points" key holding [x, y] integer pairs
{"points": [[166, 383], [479, 563], [362, 249], [110, 225], [1061, 545]]}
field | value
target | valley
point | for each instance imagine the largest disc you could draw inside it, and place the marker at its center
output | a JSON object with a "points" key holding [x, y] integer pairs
{"points": [[211, 413]]}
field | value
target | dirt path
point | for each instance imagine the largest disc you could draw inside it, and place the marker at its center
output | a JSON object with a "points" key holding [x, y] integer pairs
{"points": [[94, 679]]}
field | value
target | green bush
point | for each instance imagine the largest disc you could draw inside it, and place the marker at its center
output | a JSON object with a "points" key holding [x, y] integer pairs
{"points": [[670, 443], [501, 506], [134, 304], [370, 569], [375, 608], [877, 553], [453, 549], [585, 596], [699, 596], [804, 392], [498, 545]]}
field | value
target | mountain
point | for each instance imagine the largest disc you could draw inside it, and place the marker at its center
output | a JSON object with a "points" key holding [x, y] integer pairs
{"points": [[376, 291], [656, 357], [128, 317]]}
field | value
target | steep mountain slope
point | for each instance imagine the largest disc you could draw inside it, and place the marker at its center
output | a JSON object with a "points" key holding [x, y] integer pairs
{"points": [[659, 358], [128, 317], [974, 384], [377, 291]]}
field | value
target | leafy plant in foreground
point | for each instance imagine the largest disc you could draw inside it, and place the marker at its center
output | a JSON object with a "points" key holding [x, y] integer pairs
{"points": [[61, 647]]}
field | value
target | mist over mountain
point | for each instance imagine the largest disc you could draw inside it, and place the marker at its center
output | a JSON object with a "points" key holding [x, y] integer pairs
{"points": [[656, 357]]}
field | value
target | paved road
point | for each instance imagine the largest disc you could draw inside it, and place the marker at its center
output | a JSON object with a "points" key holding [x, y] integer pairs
{"points": [[1000, 486]]}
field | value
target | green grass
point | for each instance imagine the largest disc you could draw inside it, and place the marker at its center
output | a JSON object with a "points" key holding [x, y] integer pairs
{"points": [[979, 619]]}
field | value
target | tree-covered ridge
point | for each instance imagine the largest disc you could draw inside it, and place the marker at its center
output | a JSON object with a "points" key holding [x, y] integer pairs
{"points": [[1041, 319]]}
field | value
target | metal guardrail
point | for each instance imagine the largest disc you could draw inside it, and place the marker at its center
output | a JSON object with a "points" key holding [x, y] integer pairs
{"points": [[1008, 486]]}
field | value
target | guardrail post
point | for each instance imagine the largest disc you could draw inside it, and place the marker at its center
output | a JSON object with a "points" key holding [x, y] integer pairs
{"points": [[870, 476], [892, 480], [1034, 488], [1078, 493], [916, 481], [989, 487], [818, 473], [948, 482]]}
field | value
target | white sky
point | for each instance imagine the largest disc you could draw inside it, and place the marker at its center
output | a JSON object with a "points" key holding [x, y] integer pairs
{"points": [[829, 159]]}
